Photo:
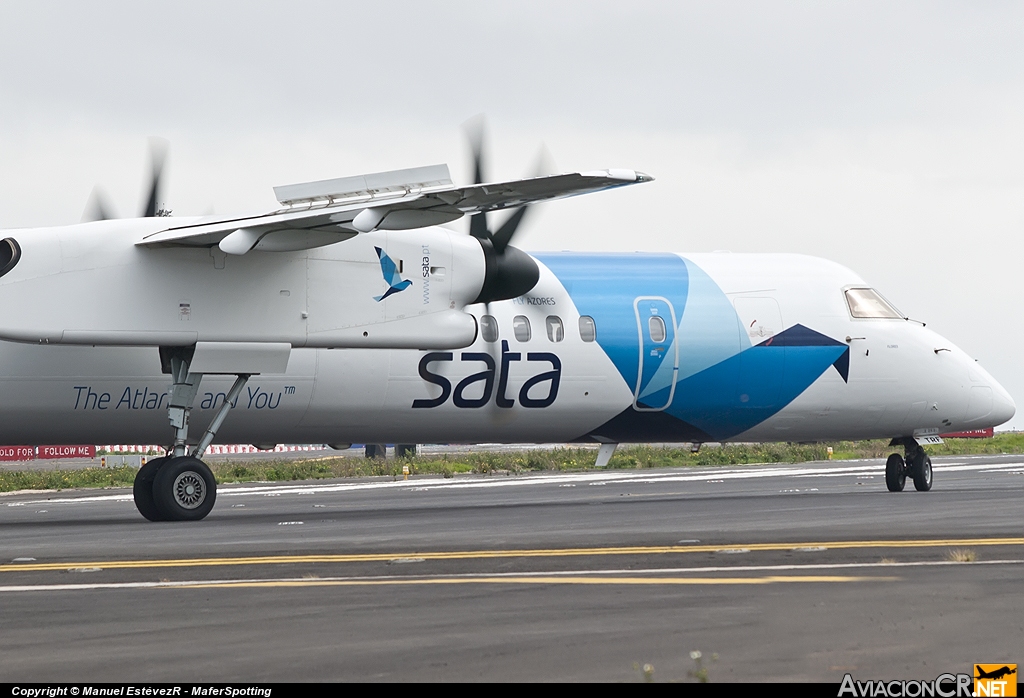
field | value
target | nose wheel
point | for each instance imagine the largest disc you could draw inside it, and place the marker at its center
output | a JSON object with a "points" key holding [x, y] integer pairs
{"points": [[921, 472], [895, 473], [917, 465]]}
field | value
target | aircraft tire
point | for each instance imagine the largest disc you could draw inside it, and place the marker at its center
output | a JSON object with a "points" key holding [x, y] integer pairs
{"points": [[895, 473], [922, 472], [142, 489], [184, 489]]}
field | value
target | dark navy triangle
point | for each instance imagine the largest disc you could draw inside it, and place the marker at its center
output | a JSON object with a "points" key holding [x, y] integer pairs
{"points": [[842, 364], [800, 336]]}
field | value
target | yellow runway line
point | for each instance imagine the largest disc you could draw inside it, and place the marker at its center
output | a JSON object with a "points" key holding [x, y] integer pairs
{"points": [[623, 581], [494, 554]]}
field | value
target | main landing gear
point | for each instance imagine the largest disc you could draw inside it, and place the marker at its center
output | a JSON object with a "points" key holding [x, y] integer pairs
{"points": [[180, 486], [915, 463]]}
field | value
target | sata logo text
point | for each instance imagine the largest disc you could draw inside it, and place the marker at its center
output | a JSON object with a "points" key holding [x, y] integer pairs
{"points": [[425, 269], [491, 374]]}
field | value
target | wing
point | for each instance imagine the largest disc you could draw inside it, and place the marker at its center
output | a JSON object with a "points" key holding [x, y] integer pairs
{"points": [[322, 213]]}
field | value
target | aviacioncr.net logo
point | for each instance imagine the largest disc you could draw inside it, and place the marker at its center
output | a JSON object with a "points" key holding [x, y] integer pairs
{"points": [[943, 686]]}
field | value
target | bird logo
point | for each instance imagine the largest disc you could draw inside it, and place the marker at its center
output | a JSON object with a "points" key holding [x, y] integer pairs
{"points": [[390, 271]]}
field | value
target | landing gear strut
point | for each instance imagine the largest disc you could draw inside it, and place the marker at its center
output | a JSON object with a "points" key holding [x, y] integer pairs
{"points": [[180, 486], [914, 463]]}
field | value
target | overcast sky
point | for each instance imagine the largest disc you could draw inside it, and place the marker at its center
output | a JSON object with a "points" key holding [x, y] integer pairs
{"points": [[886, 136]]}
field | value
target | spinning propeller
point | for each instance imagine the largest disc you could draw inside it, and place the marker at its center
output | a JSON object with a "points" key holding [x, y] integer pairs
{"points": [[99, 209], [509, 271], [157, 158]]}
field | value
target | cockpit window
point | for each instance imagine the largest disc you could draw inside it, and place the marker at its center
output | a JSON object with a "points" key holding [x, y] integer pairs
{"points": [[10, 253], [868, 303]]}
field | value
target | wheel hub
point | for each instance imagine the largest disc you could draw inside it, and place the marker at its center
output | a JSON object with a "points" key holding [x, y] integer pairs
{"points": [[189, 489]]}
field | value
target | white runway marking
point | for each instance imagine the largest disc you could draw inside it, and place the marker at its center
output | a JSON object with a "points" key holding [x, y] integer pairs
{"points": [[657, 571], [860, 470]]}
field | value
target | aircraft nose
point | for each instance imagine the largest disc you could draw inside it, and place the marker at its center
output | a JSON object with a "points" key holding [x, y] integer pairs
{"points": [[989, 405], [1003, 407]]}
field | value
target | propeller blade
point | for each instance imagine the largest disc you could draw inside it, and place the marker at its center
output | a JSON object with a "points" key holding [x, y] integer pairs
{"points": [[508, 272], [157, 156], [475, 133], [97, 208], [478, 226], [544, 165], [504, 234]]}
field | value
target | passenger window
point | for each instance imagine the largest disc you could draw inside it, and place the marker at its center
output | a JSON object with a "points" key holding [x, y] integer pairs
{"points": [[489, 328], [868, 303], [555, 331], [656, 326], [588, 330], [521, 328]]}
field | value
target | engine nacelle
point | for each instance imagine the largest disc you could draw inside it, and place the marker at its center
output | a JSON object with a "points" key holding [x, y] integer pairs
{"points": [[90, 284]]}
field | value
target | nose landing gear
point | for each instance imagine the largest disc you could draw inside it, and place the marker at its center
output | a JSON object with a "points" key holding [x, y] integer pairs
{"points": [[916, 464]]}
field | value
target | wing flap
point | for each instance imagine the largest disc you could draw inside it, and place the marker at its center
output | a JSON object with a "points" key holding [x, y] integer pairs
{"points": [[396, 182]]}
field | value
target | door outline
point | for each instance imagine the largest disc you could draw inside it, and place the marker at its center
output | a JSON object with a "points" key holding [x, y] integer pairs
{"points": [[673, 342]]}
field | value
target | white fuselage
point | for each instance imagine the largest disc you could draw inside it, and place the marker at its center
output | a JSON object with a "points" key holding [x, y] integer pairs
{"points": [[901, 378]]}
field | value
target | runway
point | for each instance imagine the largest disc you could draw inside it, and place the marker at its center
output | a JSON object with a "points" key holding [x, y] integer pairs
{"points": [[793, 572]]}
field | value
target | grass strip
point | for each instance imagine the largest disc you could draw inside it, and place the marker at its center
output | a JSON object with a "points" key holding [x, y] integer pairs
{"points": [[558, 459]]}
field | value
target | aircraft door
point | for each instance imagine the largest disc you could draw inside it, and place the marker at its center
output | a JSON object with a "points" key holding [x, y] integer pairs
{"points": [[659, 354]]}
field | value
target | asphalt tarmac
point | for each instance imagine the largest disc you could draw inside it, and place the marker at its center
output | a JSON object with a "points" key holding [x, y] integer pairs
{"points": [[800, 573]]}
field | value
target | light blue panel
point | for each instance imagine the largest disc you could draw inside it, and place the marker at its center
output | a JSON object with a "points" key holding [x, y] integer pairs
{"points": [[710, 331], [604, 287], [725, 386]]}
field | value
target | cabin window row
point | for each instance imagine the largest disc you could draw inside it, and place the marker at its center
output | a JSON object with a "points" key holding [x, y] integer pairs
{"points": [[523, 331]]}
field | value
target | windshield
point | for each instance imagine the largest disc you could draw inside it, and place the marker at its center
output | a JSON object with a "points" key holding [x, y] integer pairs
{"points": [[868, 303]]}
